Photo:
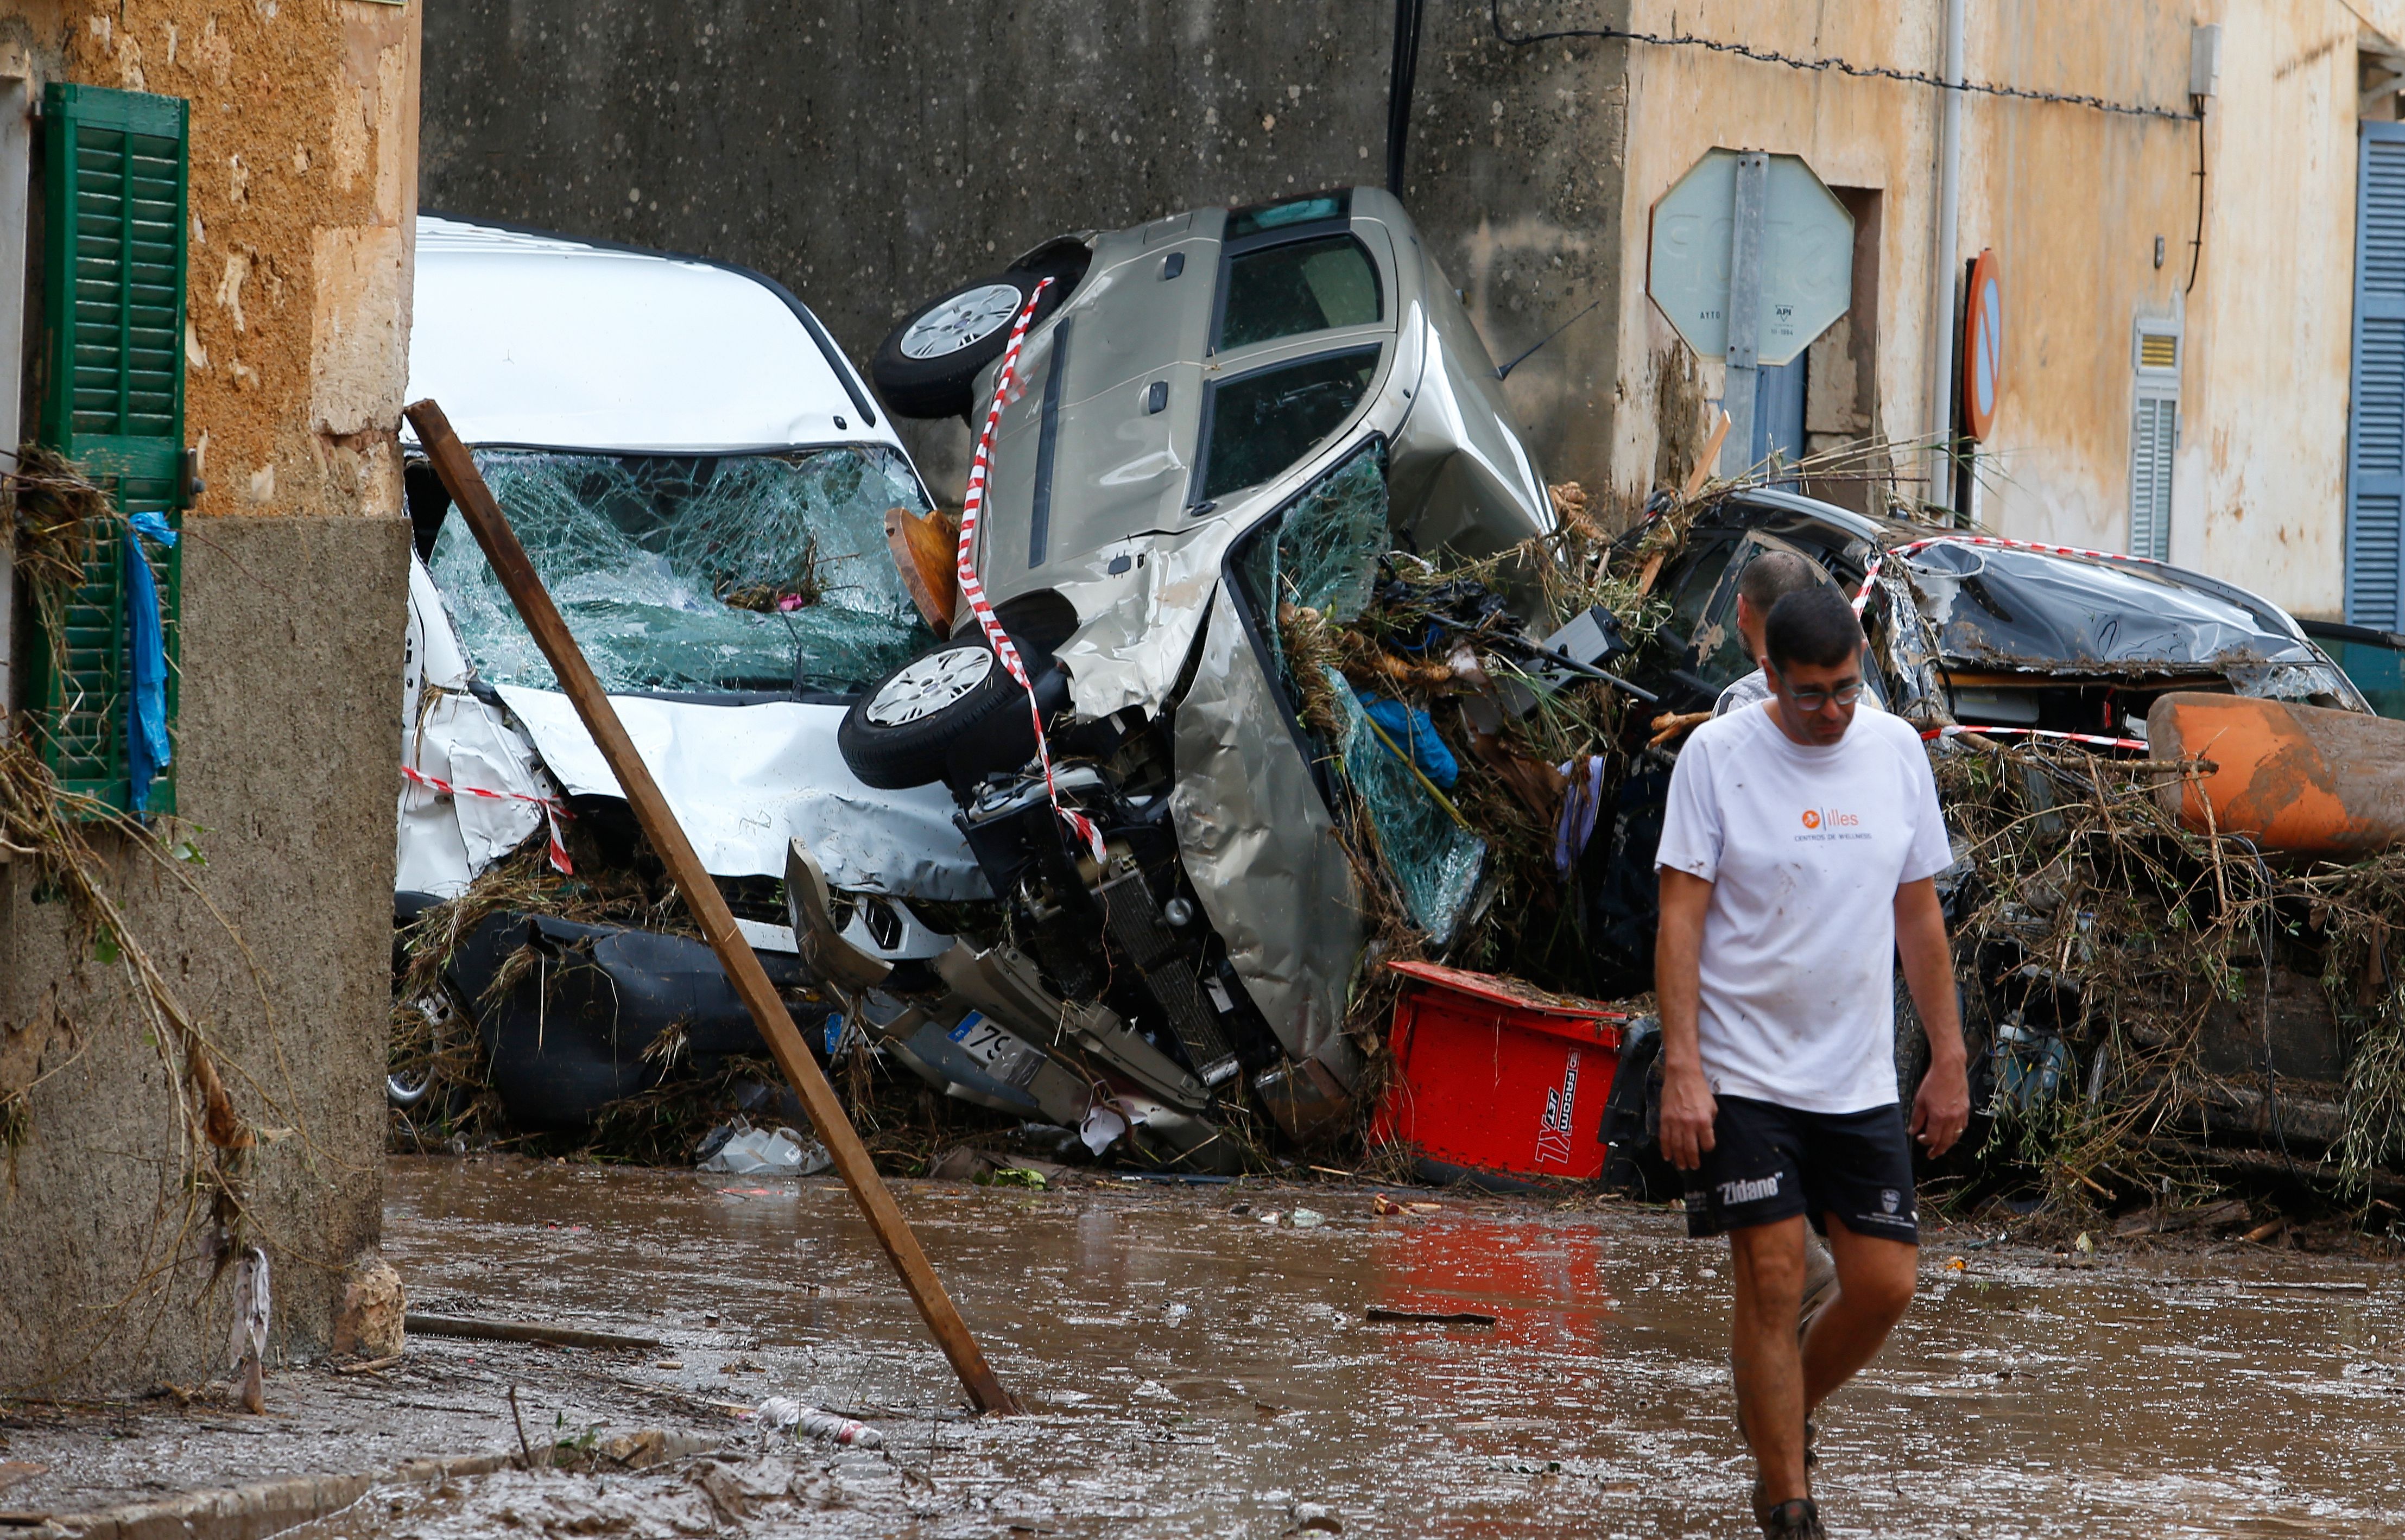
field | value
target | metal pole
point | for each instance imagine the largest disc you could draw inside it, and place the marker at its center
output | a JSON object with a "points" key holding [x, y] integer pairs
{"points": [[1744, 309], [1942, 281], [705, 902]]}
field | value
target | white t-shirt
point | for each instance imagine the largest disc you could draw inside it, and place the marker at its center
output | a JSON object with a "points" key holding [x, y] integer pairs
{"points": [[1805, 849]]}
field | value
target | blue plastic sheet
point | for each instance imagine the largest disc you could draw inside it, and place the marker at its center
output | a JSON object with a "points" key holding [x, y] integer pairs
{"points": [[148, 749], [1413, 732]]}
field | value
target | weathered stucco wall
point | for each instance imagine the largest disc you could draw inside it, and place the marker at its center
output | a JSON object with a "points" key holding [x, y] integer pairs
{"points": [[2072, 200], [303, 192], [869, 155]]}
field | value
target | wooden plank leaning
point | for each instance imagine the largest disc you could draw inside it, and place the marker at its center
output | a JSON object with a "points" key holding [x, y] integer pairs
{"points": [[705, 902]]}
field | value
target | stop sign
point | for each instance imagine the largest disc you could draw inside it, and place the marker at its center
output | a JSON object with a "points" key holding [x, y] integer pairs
{"points": [[1807, 256]]}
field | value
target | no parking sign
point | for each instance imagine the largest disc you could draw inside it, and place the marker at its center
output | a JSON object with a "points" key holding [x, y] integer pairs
{"points": [[1983, 344]]}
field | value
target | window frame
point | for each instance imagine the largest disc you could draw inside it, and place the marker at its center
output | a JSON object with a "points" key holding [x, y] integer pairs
{"points": [[1206, 417], [2156, 388], [1246, 245]]}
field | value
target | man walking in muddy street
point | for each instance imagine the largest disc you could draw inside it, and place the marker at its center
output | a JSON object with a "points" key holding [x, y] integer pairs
{"points": [[1798, 862]]}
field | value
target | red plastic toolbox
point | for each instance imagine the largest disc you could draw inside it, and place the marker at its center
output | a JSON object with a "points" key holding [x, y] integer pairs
{"points": [[1495, 1078]]}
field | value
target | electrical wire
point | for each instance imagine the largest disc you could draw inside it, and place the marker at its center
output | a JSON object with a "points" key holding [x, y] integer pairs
{"points": [[2196, 246], [1864, 72], [1402, 72]]}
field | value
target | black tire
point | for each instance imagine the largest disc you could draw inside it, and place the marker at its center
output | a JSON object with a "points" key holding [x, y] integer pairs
{"points": [[975, 725], [941, 385]]}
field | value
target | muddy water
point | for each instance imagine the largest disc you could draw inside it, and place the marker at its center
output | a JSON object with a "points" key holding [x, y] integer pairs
{"points": [[1200, 1372]]}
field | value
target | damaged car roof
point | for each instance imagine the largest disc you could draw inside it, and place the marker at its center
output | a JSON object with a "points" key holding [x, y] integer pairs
{"points": [[2016, 607]]}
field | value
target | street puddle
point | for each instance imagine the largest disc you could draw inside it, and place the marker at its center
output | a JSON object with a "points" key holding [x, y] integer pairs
{"points": [[1198, 1372]]}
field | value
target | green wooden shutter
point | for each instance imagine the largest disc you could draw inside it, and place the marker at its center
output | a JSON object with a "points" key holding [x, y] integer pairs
{"points": [[115, 173]]}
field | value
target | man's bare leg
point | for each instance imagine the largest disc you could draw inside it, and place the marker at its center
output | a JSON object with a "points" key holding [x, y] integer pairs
{"points": [[1768, 1263], [1875, 1277]]}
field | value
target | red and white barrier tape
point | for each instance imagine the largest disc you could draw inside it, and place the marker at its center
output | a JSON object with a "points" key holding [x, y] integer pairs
{"points": [[973, 592], [1871, 575], [1952, 731], [1998, 541], [551, 810]]}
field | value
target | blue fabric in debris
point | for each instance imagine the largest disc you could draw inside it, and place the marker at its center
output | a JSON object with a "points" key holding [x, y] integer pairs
{"points": [[147, 751], [1415, 734]]}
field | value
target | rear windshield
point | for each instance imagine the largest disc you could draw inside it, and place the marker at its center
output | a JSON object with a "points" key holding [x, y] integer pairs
{"points": [[1288, 290], [1263, 423], [696, 573]]}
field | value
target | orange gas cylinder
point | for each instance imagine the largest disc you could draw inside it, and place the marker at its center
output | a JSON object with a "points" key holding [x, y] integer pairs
{"points": [[2299, 778]]}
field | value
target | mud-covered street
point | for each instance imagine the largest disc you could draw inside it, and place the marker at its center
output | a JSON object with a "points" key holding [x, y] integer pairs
{"points": [[1197, 1371]]}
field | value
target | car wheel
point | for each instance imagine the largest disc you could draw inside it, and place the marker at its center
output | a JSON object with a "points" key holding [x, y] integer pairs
{"points": [[928, 365], [944, 714], [439, 1025]]}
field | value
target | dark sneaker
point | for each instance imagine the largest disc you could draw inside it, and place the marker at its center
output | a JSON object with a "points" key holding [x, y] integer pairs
{"points": [[1797, 1519]]}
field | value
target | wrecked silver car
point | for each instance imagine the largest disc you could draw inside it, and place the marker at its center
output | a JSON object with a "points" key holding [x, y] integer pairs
{"points": [[1988, 633], [1217, 415], [702, 483]]}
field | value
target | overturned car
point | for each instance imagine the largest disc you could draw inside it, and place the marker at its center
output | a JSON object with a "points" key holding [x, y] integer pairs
{"points": [[1218, 416]]}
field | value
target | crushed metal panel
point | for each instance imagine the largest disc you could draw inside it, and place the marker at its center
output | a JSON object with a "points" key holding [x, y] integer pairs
{"points": [[1140, 603], [747, 780], [446, 841], [443, 842], [1259, 845]]}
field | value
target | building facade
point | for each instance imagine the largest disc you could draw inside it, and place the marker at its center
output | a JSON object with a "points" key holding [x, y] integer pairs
{"points": [[205, 217], [2179, 267], [2179, 264]]}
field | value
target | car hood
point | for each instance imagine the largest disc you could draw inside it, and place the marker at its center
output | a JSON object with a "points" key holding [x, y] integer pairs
{"points": [[745, 780], [2000, 608]]}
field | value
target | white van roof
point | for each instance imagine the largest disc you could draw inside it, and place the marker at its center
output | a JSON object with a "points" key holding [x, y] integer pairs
{"points": [[525, 337]]}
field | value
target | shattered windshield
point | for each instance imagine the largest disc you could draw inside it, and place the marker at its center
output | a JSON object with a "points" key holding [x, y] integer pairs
{"points": [[702, 573], [1314, 566], [2028, 609]]}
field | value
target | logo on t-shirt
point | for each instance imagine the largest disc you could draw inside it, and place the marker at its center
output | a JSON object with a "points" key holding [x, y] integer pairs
{"points": [[1830, 823]]}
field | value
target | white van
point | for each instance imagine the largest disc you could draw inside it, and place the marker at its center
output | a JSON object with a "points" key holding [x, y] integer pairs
{"points": [[701, 479]]}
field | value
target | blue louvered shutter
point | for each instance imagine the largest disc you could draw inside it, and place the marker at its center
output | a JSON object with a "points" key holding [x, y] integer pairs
{"points": [[2375, 448], [115, 167]]}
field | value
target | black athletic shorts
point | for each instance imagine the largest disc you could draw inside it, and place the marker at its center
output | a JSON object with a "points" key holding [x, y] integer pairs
{"points": [[1769, 1163]]}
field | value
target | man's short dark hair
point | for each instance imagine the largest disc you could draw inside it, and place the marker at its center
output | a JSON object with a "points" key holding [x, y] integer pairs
{"points": [[1771, 577], [1815, 627]]}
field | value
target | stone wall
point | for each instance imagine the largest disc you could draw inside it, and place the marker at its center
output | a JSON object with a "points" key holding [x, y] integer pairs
{"points": [[304, 189]]}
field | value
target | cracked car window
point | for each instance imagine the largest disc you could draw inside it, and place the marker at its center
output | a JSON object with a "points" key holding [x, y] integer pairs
{"points": [[702, 573], [1263, 423], [1322, 554], [1288, 290]]}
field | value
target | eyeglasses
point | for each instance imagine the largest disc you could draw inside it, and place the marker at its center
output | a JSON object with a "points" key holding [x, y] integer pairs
{"points": [[1813, 700]]}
